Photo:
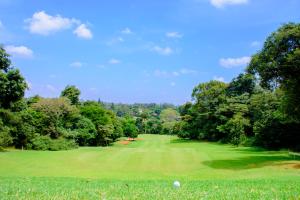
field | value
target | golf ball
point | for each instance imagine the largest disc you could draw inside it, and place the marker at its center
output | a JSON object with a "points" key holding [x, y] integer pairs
{"points": [[176, 184]]}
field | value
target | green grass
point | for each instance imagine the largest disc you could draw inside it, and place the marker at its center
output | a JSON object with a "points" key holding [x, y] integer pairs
{"points": [[145, 169]]}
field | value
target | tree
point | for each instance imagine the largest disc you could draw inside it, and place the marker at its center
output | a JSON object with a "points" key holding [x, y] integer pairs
{"points": [[108, 127], [278, 65], [207, 96], [12, 83], [129, 127], [72, 93], [5, 137], [55, 113], [243, 83], [169, 117]]}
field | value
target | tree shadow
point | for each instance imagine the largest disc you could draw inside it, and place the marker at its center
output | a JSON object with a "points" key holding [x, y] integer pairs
{"points": [[182, 140], [247, 162]]}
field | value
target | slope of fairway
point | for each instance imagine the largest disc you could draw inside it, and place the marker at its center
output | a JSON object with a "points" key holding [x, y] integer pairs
{"points": [[153, 157]]}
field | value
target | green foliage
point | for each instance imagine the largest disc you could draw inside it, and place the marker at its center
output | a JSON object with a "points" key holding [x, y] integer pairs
{"points": [[44, 143], [12, 83], [278, 65], [129, 127], [72, 93], [243, 83], [153, 126], [54, 113], [5, 137], [235, 128], [244, 113], [208, 97], [108, 127], [86, 131], [169, 117]]}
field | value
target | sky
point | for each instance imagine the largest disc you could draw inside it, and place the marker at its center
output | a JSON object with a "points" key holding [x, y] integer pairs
{"points": [[136, 51]]}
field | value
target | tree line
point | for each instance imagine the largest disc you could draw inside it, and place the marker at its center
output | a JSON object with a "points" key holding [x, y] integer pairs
{"points": [[260, 107], [66, 122]]}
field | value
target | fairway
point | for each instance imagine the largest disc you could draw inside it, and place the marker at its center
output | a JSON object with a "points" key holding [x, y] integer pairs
{"points": [[151, 162]]}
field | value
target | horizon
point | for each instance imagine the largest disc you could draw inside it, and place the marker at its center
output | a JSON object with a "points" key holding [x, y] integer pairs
{"points": [[136, 52]]}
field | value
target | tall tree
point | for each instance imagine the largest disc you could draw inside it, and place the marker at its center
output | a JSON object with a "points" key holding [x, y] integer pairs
{"points": [[12, 83], [72, 93], [278, 65]]}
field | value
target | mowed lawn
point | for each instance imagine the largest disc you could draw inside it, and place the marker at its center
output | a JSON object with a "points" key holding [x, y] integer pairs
{"points": [[145, 169]]}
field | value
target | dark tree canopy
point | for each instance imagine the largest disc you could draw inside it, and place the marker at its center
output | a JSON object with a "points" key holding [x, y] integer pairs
{"points": [[12, 83], [72, 93], [243, 83], [278, 65]]}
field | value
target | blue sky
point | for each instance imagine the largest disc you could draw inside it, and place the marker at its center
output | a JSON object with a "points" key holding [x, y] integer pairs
{"points": [[136, 51]]}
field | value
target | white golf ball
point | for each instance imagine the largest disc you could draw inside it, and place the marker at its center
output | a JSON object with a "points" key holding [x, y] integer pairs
{"points": [[176, 184]]}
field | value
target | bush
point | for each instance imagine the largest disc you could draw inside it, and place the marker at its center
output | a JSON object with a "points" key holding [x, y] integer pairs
{"points": [[45, 143], [235, 129], [5, 137], [273, 132]]}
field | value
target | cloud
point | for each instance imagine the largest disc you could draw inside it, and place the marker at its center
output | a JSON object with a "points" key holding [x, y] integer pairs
{"points": [[166, 74], [126, 31], [234, 62], [255, 44], [51, 88], [174, 35], [44, 24], [187, 71], [19, 51], [114, 61], [1, 25], [76, 64], [163, 50], [161, 73], [83, 32], [219, 78], [114, 41], [223, 3], [172, 84]]}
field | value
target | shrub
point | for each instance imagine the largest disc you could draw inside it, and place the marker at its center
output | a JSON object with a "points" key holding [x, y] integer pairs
{"points": [[44, 143]]}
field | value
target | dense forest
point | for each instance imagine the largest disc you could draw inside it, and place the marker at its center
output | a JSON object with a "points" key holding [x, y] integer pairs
{"points": [[260, 107]]}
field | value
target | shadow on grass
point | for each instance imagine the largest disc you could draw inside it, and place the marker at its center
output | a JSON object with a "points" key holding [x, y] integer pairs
{"points": [[248, 162], [182, 140]]}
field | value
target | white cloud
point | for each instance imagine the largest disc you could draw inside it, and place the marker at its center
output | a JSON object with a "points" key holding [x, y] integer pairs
{"points": [[44, 24], [1, 24], [187, 71], [223, 3], [219, 78], [83, 32], [114, 61], [165, 74], [161, 73], [51, 88], [19, 51], [126, 31], [163, 50], [255, 44], [115, 40], [172, 84], [234, 62], [174, 35], [76, 64]]}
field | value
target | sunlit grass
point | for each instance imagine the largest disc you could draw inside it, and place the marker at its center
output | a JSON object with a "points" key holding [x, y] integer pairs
{"points": [[146, 169]]}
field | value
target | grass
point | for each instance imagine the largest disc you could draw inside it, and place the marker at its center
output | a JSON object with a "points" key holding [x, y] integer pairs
{"points": [[146, 169]]}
